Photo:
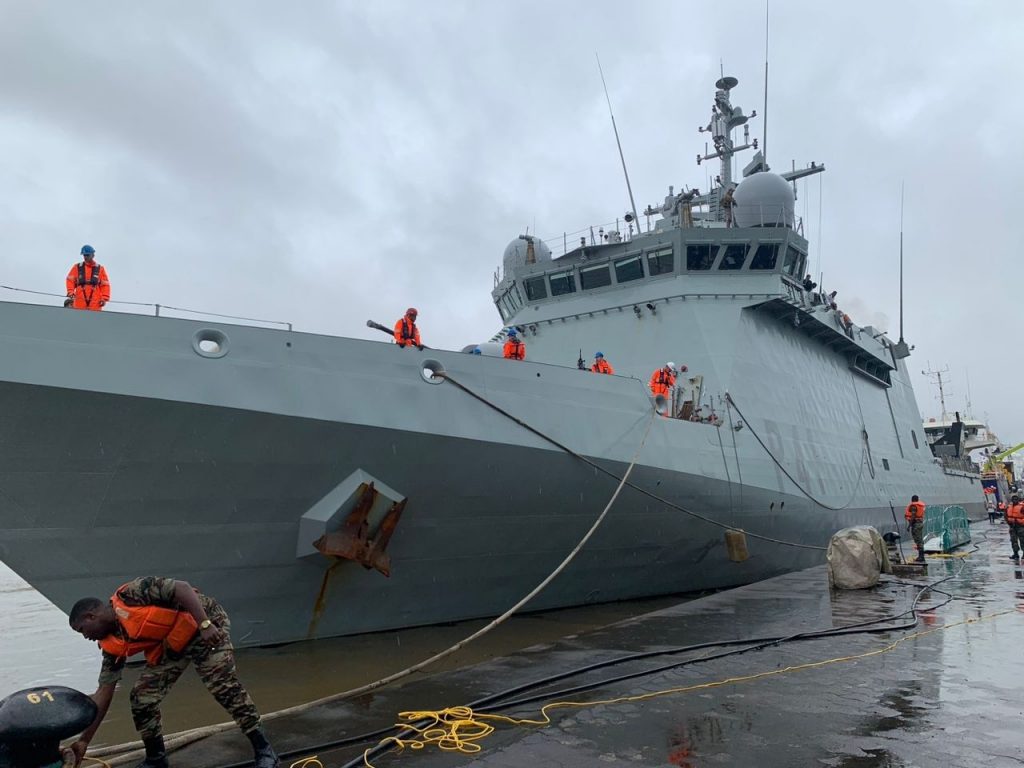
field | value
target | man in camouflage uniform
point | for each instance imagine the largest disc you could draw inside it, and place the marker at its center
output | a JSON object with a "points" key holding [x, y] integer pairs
{"points": [[209, 649], [1015, 521], [915, 524]]}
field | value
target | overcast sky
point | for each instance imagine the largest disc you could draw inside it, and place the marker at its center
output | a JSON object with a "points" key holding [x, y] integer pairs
{"points": [[324, 163]]}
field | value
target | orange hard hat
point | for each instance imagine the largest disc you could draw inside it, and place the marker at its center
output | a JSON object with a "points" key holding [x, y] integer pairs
{"points": [[411, 311]]}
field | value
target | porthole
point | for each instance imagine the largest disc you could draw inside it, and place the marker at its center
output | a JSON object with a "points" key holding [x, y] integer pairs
{"points": [[209, 342]]}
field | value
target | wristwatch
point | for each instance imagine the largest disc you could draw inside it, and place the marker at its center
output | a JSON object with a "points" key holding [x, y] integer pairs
{"points": [[205, 623]]}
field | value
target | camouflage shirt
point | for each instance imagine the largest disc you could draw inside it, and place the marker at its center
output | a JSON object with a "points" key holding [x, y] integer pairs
{"points": [[147, 590]]}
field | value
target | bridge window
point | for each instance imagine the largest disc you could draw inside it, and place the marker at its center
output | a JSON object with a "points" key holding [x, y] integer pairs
{"points": [[734, 257], [535, 288], [562, 283], [699, 256], [660, 262], [766, 256], [595, 277], [913, 434], [509, 305], [791, 266], [629, 269]]}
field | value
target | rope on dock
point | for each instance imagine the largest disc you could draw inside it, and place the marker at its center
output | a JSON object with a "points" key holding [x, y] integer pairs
{"points": [[179, 740]]}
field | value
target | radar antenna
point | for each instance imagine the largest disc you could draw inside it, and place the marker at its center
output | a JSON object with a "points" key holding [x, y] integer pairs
{"points": [[724, 118], [622, 157]]}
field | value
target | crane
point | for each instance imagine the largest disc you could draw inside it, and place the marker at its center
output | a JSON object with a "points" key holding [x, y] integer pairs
{"points": [[990, 464]]}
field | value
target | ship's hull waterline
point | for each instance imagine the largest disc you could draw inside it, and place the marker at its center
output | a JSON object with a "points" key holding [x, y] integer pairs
{"points": [[202, 470]]}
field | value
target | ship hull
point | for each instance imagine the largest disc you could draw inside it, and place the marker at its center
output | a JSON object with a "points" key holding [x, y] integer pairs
{"points": [[208, 477], [485, 522]]}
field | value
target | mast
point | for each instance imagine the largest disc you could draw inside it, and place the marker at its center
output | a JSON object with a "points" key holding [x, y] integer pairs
{"points": [[937, 375]]}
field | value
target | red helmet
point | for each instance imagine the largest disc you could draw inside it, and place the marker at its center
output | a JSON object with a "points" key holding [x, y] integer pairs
{"points": [[411, 311]]}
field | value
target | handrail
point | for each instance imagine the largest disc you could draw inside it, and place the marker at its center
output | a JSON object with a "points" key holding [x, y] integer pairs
{"points": [[158, 307]]}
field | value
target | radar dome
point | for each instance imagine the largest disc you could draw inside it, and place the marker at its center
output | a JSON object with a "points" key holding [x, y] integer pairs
{"points": [[525, 249], [763, 200]]}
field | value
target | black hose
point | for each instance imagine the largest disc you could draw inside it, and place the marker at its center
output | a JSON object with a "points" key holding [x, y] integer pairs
{"points": [[752, 644]]}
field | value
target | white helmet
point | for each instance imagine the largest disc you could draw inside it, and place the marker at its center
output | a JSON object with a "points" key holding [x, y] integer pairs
{"points": [[671, 366]]}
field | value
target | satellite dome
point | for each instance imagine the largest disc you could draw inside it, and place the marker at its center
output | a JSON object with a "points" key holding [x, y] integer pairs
{"points": [[518, 252], [763, 200]]}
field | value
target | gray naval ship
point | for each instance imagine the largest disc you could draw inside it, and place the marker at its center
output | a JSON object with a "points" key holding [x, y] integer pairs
{"points": [[326, 486]]}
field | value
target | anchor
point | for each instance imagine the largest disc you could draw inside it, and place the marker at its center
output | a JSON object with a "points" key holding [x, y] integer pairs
{"points": [[352, 541]]}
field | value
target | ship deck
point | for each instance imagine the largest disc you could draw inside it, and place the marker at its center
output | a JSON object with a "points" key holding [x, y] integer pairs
{"points": [[943, 693]]}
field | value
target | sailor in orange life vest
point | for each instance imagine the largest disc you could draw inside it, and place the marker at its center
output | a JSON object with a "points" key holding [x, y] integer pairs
{"points": [[601, 365], [172, 624], [87, 283], [663, 379], [915, 524], [406, 331], [514, 349], [1015, 519]]}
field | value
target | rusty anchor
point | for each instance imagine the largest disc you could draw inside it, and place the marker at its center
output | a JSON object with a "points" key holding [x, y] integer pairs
{"points": [[352, 540]]}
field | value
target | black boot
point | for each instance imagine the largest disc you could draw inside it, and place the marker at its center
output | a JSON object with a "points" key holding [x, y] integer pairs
{"points": [[156, 756], [263, 754]]}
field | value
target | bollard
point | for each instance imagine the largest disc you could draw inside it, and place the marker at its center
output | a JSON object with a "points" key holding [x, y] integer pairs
{"points": [[33, 722]]}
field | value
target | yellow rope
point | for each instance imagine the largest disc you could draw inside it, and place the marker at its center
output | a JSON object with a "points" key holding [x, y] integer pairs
{"points": [[458, 729], [307, 762]]}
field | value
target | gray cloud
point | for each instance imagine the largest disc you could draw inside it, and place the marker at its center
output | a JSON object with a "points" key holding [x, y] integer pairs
{"points": [[370, 156]]}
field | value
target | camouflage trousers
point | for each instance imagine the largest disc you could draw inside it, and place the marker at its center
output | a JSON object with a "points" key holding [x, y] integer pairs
{"points": [[917, 532], [1016, 537], [216, 668]]}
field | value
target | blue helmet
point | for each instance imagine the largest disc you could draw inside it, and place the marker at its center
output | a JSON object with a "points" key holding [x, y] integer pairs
{"points": [[87, 249], [476, 351], [599, 354], [511, 331]]}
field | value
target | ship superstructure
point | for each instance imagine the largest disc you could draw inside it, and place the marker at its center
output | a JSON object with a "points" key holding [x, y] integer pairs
{"points": [[322, 486]]}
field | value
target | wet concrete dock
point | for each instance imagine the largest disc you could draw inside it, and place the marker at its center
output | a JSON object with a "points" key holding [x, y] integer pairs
{"points": [[944, 693]]}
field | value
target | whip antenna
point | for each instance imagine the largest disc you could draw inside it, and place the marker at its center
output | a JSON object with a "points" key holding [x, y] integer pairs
{"points": [[901, 349], [622, 157], [764, 112], [901, 261]]}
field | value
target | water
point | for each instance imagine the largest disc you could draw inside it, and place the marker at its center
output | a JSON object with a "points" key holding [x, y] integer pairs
{"points": [[38, 648]]}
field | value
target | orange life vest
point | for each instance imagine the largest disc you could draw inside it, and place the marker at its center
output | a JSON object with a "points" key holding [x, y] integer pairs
{"points": [[602, 366], [662, 380], [150, 629], [88, 285], [406, 331], [915, 511], [1015, 514], [514, 349]]}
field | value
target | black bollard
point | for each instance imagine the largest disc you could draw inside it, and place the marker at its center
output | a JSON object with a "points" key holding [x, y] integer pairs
{"points": [[33, 722]]}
